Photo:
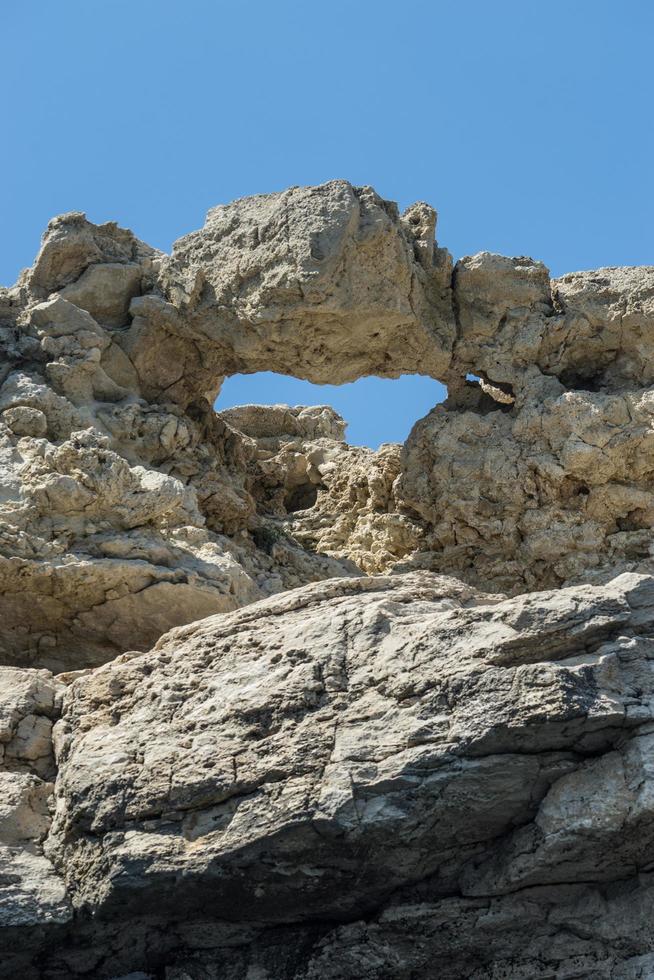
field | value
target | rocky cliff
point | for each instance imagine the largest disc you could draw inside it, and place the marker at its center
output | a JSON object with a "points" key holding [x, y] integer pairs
{"points": [[274, 707]]}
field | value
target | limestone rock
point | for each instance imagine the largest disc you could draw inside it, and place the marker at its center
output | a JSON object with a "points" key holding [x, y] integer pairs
{"points": [[551, 486], [536, 476], [604, 336], [34, 896], [589, 329], [327, 283], [106, 290], [277, 422], [341, 772], [71, 244], [330, 497], [399, 748], [337, 719]]}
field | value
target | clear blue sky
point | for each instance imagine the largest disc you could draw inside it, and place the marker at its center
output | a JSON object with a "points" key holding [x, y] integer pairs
{"points": [[529, 126]]}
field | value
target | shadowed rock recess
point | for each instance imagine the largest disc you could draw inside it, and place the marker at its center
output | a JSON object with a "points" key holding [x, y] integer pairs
{"points": [[275, 707]]}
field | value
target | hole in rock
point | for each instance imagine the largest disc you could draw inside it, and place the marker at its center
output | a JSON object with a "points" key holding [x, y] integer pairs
{"points": [[485, 396], [572, 489], [582, 381], [635, 520], [377, 410], [301, 498]]}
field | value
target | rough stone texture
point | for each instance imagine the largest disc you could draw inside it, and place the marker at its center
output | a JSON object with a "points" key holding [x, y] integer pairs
{"points": [[33, 896], [330, 497], [542, 474], [399, 755], [443, 772], [327, 283], [128, 507]]}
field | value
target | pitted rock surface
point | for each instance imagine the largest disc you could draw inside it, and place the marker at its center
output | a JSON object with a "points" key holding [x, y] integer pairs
{"points": [[276, 707]]}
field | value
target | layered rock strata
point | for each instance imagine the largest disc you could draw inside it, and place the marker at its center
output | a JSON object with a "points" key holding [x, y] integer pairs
{"points": [[412, 737], [359, 778]]}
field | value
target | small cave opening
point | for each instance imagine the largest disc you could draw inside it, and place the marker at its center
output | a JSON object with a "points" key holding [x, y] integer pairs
{"points": [[582, 380], [638, 519], [303, 497], [574, 491], [485, 396], [376, 410]]}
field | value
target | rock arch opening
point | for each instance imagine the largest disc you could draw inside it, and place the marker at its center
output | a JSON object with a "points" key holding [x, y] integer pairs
{"points": [[375, 410], [131, 506], [337, 498]]}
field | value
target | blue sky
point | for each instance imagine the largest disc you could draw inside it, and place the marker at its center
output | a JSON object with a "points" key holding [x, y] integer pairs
{"points": [[527, 125]]}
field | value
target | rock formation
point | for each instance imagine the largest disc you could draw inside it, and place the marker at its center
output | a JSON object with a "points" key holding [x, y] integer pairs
{"points": [[275, 707]]}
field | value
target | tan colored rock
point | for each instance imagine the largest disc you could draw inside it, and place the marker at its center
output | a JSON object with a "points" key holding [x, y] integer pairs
{"points": [[26, 421], [363, 776], [502, 306], [279, 422], [71, 244], [528, 479], [105, 291], [327, 283], [332, 498], [591, 330], [604, 336], [554, 492]]}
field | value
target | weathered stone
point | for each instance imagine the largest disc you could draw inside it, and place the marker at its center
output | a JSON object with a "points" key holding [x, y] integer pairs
{"points": [[556, 492], [106, 291], [71, 244], [363, 777], [327, 283], [369, 746], [26, 421], [33, 896]]}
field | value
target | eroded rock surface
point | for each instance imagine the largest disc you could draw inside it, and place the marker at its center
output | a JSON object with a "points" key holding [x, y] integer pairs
{"points": [[390, 753], [327, 283], [129, 507], [541, 475], [341, 772], [331, 497]]}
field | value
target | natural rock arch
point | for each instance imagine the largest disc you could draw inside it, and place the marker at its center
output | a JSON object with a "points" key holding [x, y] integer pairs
{"points": [[130, 506], [375, 410], [327, 284], [462, 769]]}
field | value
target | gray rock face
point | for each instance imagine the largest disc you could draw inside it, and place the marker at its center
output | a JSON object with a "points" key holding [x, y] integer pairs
{"points": [[233, 746], [394, 754], [33, 897]]}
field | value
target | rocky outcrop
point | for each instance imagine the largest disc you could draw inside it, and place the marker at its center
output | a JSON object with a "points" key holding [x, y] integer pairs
{"points": [[326, 283], [273, 706], [330, 497], [346, 764], [540, 475], [33, 896], [129, 507]]}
